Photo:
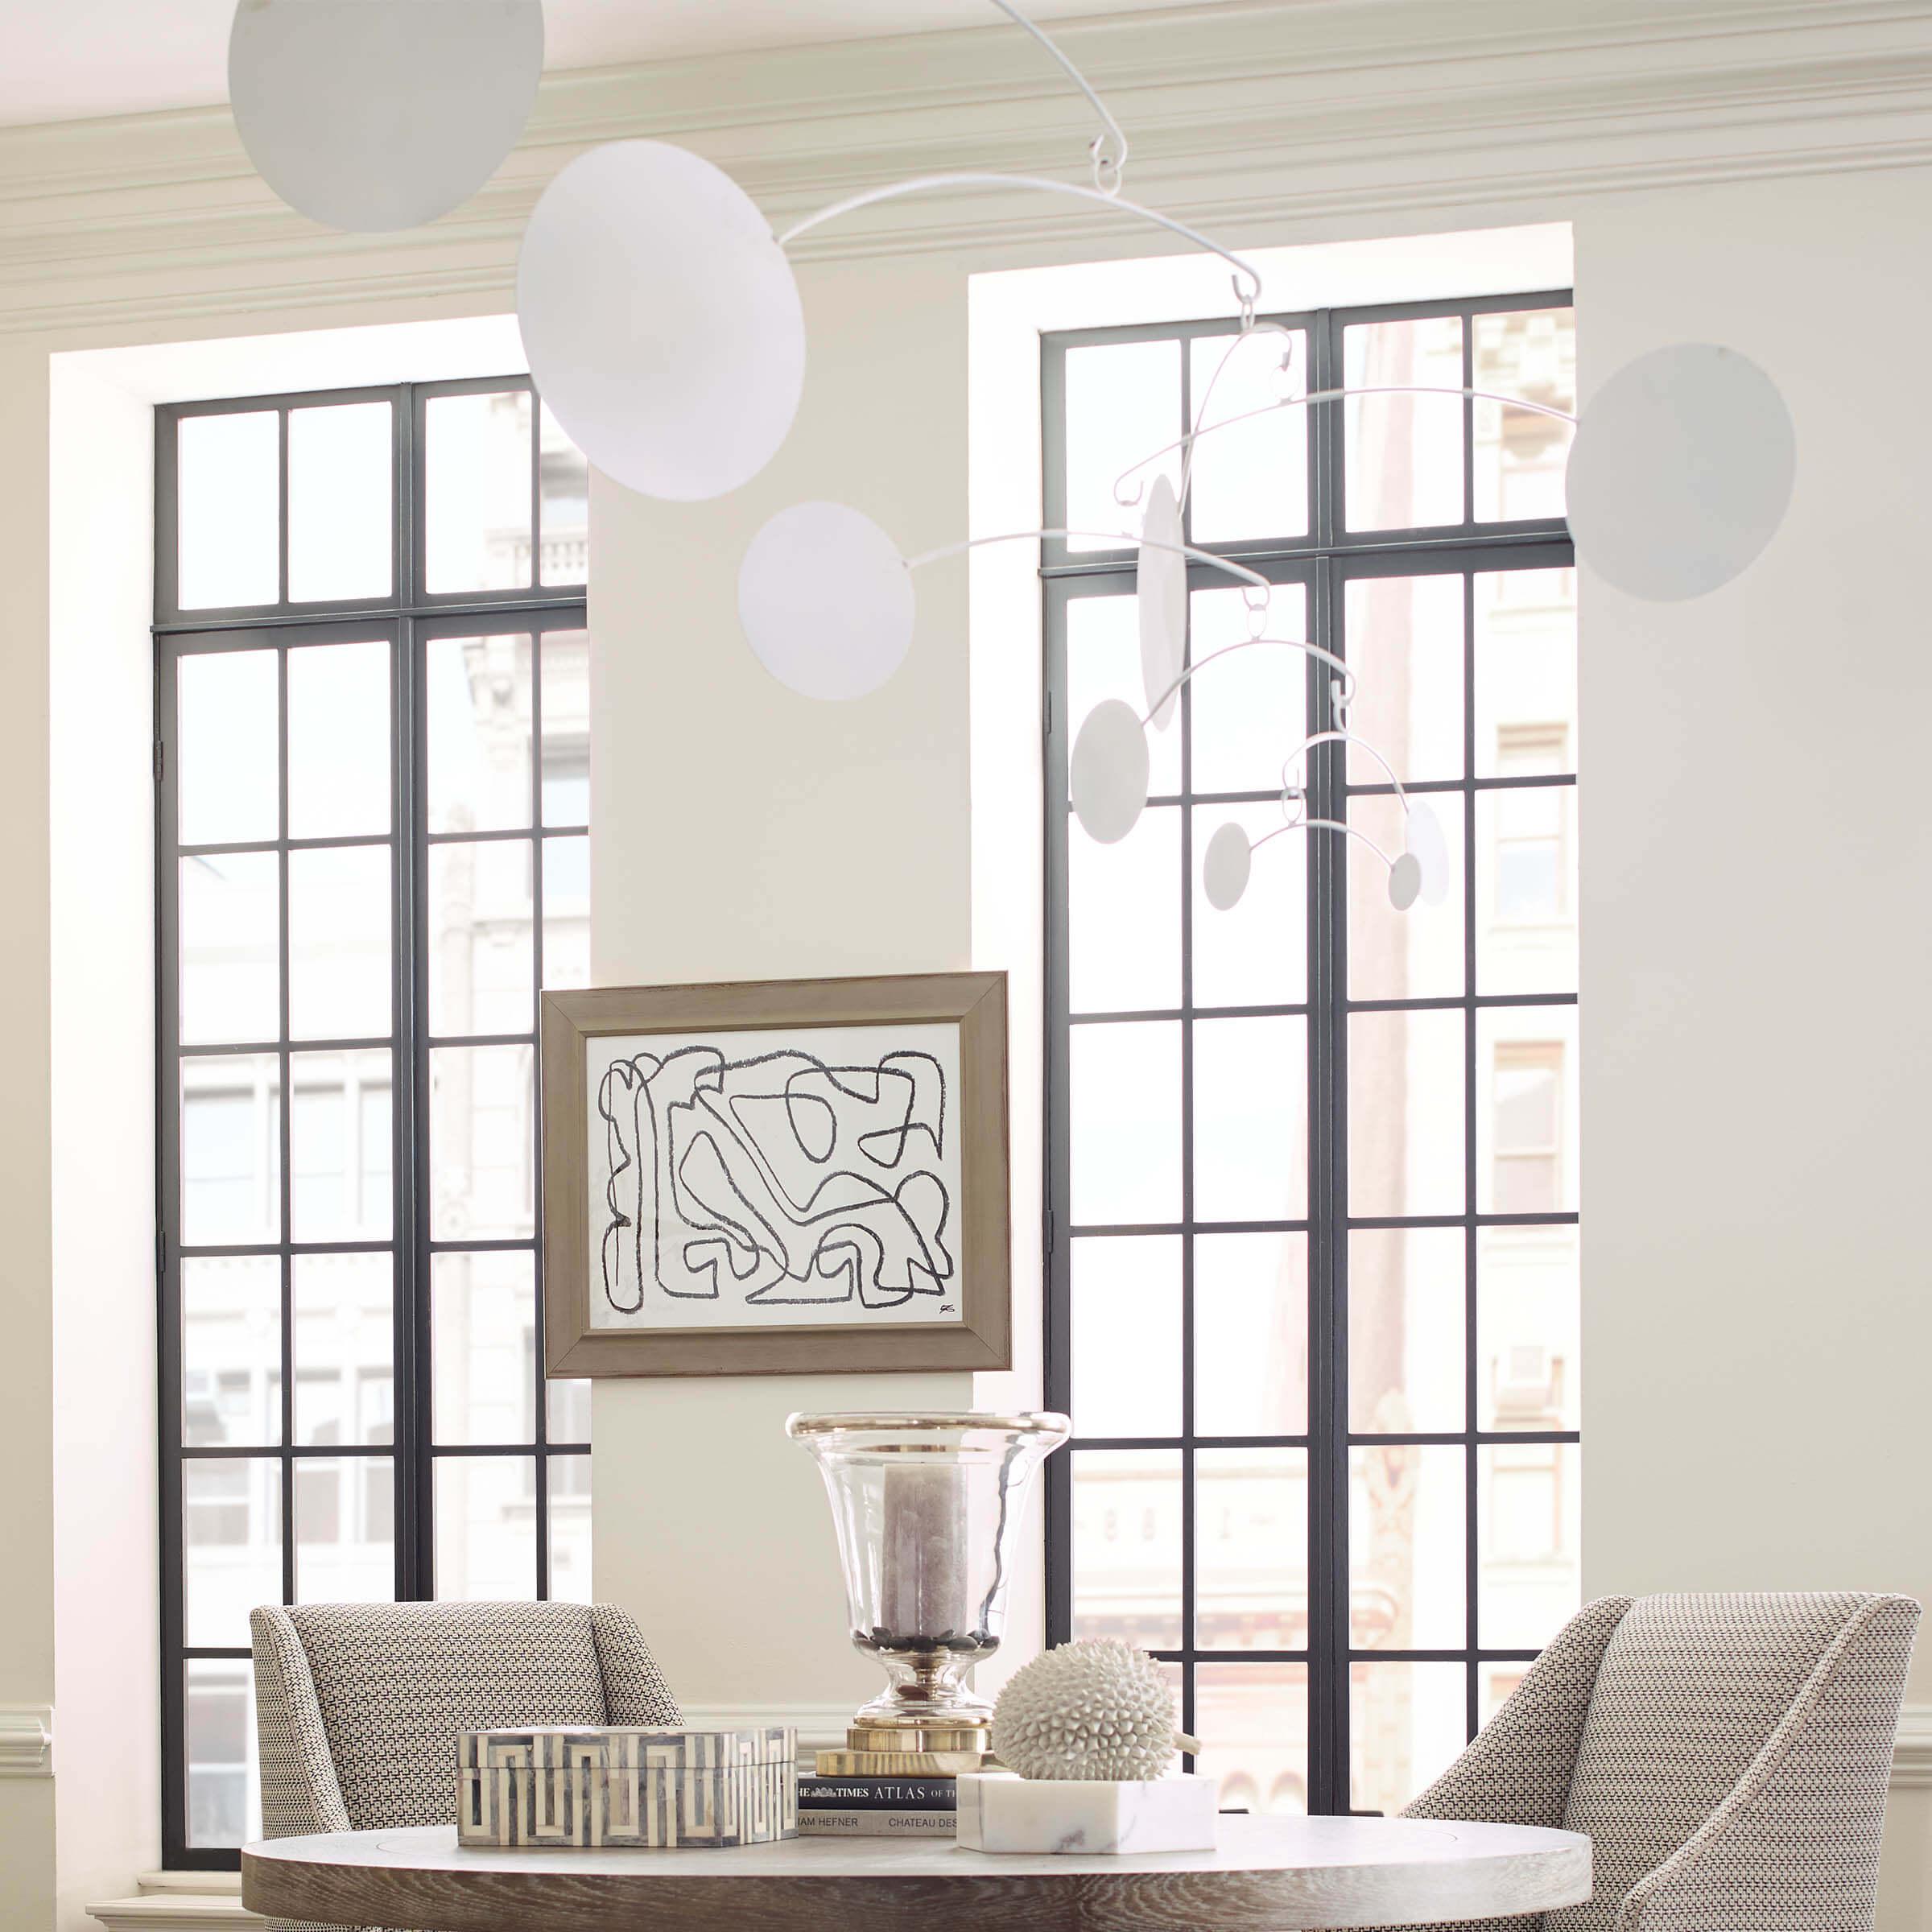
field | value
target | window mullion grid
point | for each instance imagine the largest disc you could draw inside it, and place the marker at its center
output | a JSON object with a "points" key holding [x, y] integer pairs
{"points": [[411, 1272], [416, 781], [1472, 1553], [285, 1113], [1328, 1787], [1328, 1256], [540, 1411], [1185, 884]]}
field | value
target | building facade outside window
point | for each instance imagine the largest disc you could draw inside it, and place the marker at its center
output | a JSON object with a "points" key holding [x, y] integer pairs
{"points": [[372, 696], [1312, 1171]]}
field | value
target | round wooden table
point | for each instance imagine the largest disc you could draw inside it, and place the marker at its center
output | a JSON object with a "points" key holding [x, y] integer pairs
{"points": [[1269, 1874]]}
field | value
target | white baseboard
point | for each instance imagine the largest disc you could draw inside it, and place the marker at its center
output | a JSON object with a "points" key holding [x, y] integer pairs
{"points": [[1911, 1754]]}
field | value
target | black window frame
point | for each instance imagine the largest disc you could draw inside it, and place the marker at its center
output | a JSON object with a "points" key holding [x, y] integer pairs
{"points": [[408, 619], [1324, 560]]}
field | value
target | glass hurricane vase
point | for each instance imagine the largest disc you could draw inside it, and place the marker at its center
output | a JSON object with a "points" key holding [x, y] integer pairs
{"points": [[926, 1508]]}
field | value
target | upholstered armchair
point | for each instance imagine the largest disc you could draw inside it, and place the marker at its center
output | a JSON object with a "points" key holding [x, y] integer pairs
{"points": [[1727, 1757], [358, 1705]]}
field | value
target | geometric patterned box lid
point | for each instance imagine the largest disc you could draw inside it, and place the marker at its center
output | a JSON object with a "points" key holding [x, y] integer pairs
{"points": [[649, 1747]]}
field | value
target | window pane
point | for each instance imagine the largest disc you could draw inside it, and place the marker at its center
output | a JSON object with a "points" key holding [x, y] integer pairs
{"points": [[231, 1111], [338, 967], [569, 1477], [486, 1528], [1407, 1724], [1525, 890], [478, 696], [229, 538], [1251, 1334], [339, 778], [1405, 1112], [340, 535], [1525, 668], [1103, 661], [1251, 1549], [1125, 1107], [483, 1321], [1528, 1328], [1403, 453], [480, 1108], [1407, 1316], [229, 766], [1123, 917], [1250, 1119], [1127, 1546], [1250, 478], [341, 1134], [1123, 401], [566, 671], [1253, 1721], [1250, 708], [344, 1348], [1530, 1582], [231, 1538], [345, 1530], [230, 913], [1526, 1110], [1520, 456], [563, 475], [1405, 641], [1395, 954], [1127, 1335], [475, 488], [1408, 1555], [480, 936], [224, 1789], [1256, 953], [231, 1351], [566, 913]]}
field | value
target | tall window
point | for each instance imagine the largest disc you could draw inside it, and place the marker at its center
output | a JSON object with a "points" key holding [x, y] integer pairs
{"points": [[372, 697], [1312, 1162]]}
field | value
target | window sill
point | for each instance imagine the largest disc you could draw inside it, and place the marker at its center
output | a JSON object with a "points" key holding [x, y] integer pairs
{"points": [[183, 1901]]}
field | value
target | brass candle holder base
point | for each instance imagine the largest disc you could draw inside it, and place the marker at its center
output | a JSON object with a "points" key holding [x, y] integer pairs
{"points": [[906, 1746]]}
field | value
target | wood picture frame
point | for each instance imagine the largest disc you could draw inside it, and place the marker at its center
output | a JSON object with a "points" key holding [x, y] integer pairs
{"points": [[925, 1129]]}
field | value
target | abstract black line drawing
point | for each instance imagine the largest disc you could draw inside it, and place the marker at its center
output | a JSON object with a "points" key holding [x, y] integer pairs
{"points": [[811, 1186]]}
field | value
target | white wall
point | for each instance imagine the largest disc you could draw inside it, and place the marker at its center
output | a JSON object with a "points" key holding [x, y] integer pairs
{"points": [[786, 838], [1755, 1317]]}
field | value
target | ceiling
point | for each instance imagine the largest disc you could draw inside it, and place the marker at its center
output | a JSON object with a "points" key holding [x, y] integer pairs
{"points": [[60, 60]]}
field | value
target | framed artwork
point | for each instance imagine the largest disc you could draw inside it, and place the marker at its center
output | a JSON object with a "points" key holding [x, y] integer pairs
{"points": [[780, 1177]]}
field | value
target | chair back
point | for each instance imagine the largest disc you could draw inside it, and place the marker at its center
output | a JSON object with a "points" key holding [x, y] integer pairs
{"points": [[1693, 1689], [395, 1683]]}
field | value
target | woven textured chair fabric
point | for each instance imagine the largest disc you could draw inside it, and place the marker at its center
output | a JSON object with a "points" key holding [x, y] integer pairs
{"points": [[1728, 1755], [358, 1706]]}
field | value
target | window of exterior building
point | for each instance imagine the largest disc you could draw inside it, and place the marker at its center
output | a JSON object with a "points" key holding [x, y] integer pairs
{"points": [[372, 695], [1312, 1180]]}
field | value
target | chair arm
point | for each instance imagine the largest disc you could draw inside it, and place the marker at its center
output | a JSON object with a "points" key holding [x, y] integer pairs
{"points": [[1795, 1842], [1518, 1769], [299, 1792], [634, 1692]]}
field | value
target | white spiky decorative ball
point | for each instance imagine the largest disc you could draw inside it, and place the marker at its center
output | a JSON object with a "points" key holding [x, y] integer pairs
{"points": [[1095, 1709]]}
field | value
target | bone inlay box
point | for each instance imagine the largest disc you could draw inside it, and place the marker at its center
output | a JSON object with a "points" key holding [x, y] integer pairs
{"points": [[626, 1785], [1037, 1814]]}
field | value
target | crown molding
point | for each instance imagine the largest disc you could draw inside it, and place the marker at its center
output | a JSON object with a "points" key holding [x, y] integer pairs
{"points": [[1265, 116]]}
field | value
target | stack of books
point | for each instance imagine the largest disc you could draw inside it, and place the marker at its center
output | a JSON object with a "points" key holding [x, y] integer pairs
{"points": [[877, 1807]]}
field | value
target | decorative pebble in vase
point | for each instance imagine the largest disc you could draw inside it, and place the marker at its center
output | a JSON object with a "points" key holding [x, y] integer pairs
{"points": [[1089, 1728]]}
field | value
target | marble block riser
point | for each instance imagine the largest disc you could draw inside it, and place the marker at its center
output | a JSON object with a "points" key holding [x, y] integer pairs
{"points": [[1034, 1816]]}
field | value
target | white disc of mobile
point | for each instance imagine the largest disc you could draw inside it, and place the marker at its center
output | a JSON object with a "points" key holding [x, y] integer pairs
{"points": [[826, 601], [661, 320], [1108, 774], [1161, 597], [371, 115]]}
